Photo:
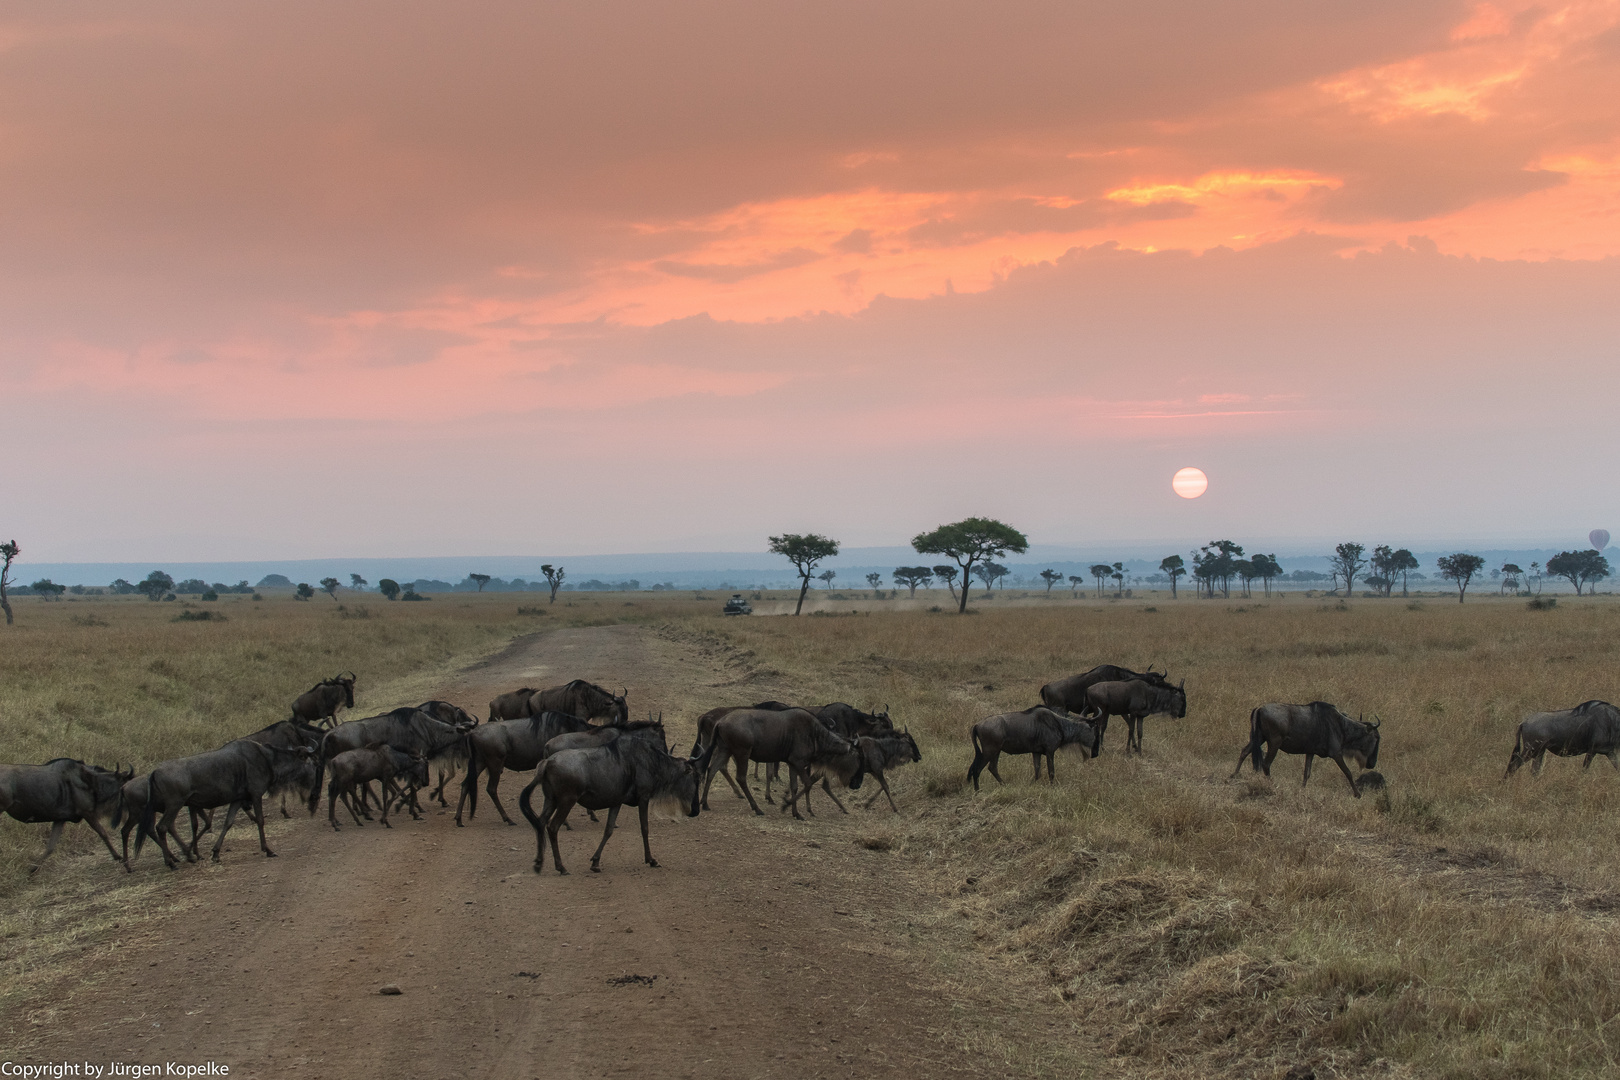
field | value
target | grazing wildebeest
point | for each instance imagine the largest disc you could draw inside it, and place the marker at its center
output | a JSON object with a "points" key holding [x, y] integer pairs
{"points": [[238, 775], [1315, 730], [1135, 701], [626, 771], [321, 702], [581, 698], [519, 745], [375, 762], [791, 736], [878, 752], [1069, 695], [407, 729], [1037, 731], [1590, 728], [63, 791], [513, 705]]}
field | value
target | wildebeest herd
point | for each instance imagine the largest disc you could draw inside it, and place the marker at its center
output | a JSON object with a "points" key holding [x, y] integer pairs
{"points": [[586, 751]]}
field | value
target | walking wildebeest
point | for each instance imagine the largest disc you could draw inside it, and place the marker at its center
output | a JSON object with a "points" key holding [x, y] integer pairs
{"points": [[455, 715], [375, 762], [289, 735], [1135, 701], [513, 705], [1069, 695], [321, 702], [1038, 731], [237, 775], [1590, 728], [1315, 730], [650, 730], [878, 752], [519, 745], [794, 737], [407, 729], [851, 722], [705, 735], [62, 791], [626, 771], [581, 698]]}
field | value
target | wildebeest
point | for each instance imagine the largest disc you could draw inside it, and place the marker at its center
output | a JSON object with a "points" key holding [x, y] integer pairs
{"points": [[794, 737], [626, 771], [62, 791], [407, 729], [321, 702], [705, 735], [851, 722], [519, 745], [1135, 701], [513, 705], [456, 716], [289, 735], [650, 730], [1069, 695], [375, 762], [1038, 731], [1315, 730], [581, 698], [878, 753], [238, 775], [1590, 728]]}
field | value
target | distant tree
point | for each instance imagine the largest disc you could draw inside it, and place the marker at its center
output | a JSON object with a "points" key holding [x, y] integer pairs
{"points": [[330, 585], [1075, 581], [356, 582], [1460, 568], [1099, 571], [120, 587], [480, 580], [827, 576], [1346, 562], [1217, 561], [969, 542], [304, 592], [1173, 567], [1119, 576], [913, 576], [48, 589], [804, 551], [1580, 567], [1511, 573], [1378, 584], [191, 586], [873, 580], [1266, 567], [554, 578], [1382, 564], [1401, 562], [947, 574], [211, 594], [8, 551], [1245, 571], [274, 580], [155, 585], [1535, 576], [989, 573], [1051, 577], [389, 588]]}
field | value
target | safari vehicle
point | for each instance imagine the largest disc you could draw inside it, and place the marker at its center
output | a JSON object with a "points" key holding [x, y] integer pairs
{"points": [[738, 606]]}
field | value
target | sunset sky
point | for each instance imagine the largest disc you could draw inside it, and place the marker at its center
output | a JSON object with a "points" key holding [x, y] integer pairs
{"points": [[306, 279]]}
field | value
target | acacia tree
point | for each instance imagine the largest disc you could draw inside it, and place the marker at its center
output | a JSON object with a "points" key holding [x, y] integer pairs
{"points": [[156, 584], [1511, 572], [1580, 567], [480, 580], [1099, 571], [873, 580], [389, 588], [1266, 567], [1051, 577], [554, 578], [1347, 562], [330, 586], [947, 574], [1075, 581], [804, 551], [1534, 575], [356, 582], [971, 541], [1460, 568], [1217, 561], [1173, 566], [9, 551], [304, 591], [1119, 576], [913, 576], [48, 589], [827, 576]]}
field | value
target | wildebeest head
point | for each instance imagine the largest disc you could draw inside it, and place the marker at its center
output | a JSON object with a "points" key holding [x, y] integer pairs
{"points": [[106, 786], [696, 766], [621, 707], [1363, 744], [1179, 697], [916, 754], [346, 680]]}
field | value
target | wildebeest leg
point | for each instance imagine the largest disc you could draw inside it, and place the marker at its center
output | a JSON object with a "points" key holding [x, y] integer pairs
{"points": [[284, 805], [495, 770], [770, 774], [258, 807], [741, 764], [992, 761], [106, 837], [607, 831], [828, 789], [646, 845], [559, 813], [884, 785], [165, 828], [1036, 756], [1535, 766], [1587, 764], [1051, 766], [50, 844], [1308, 759], [444, 778], [1611, 755], [1271, 755], [224, 829], [793, 782], [1355, 788]]}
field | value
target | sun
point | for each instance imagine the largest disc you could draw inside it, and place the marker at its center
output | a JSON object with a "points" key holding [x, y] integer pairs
{"points": [[1190, 483]]}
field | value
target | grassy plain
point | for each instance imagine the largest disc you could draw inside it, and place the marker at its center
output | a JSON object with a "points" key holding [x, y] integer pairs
{"points": [[1198, 925]]}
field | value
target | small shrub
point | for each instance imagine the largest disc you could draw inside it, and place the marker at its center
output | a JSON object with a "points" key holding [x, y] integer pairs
{"points": [[876, 843], [88, 620], [198, 616], [1414, 605], [210, 595], [935, 610], [1148, 609], [1419, 813], [948, 783], [1543, 603], [256, 596], [360, 612], [531, 611]]}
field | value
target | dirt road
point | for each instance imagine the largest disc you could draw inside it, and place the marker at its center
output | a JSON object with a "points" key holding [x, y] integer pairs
{"points": [[763, 947]]}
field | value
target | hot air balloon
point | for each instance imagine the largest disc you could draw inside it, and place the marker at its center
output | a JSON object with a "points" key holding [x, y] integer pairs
{"points": [[1599, 538]]}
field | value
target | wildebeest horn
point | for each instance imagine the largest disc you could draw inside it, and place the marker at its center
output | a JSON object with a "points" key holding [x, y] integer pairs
{"points": [[1375, 722]]}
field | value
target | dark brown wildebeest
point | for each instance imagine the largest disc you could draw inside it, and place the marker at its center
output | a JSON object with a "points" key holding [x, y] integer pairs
{"points": [[1135, 701], [406, 729], [581, 698], [705, 735], [1069, 695], [63, 791], [878, 752], [289, 735], [456, 716], [320, 703], [238, 775], [651, 730], [519, 745], [1037, 731], [794, 737], [513, 705], [1315, 730], [851, 722], [629, 771], [1590, 728], [375, 762]]}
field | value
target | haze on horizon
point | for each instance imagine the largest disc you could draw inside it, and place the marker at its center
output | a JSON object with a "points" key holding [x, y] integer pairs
{"points": [[400, 279]]}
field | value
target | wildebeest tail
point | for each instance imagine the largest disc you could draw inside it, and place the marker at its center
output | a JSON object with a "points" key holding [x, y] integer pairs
{"points": [[469, 786], [148, 821], [320, 774], [528, 791], [978, 754], [1517, 757], [1254, 738]]}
